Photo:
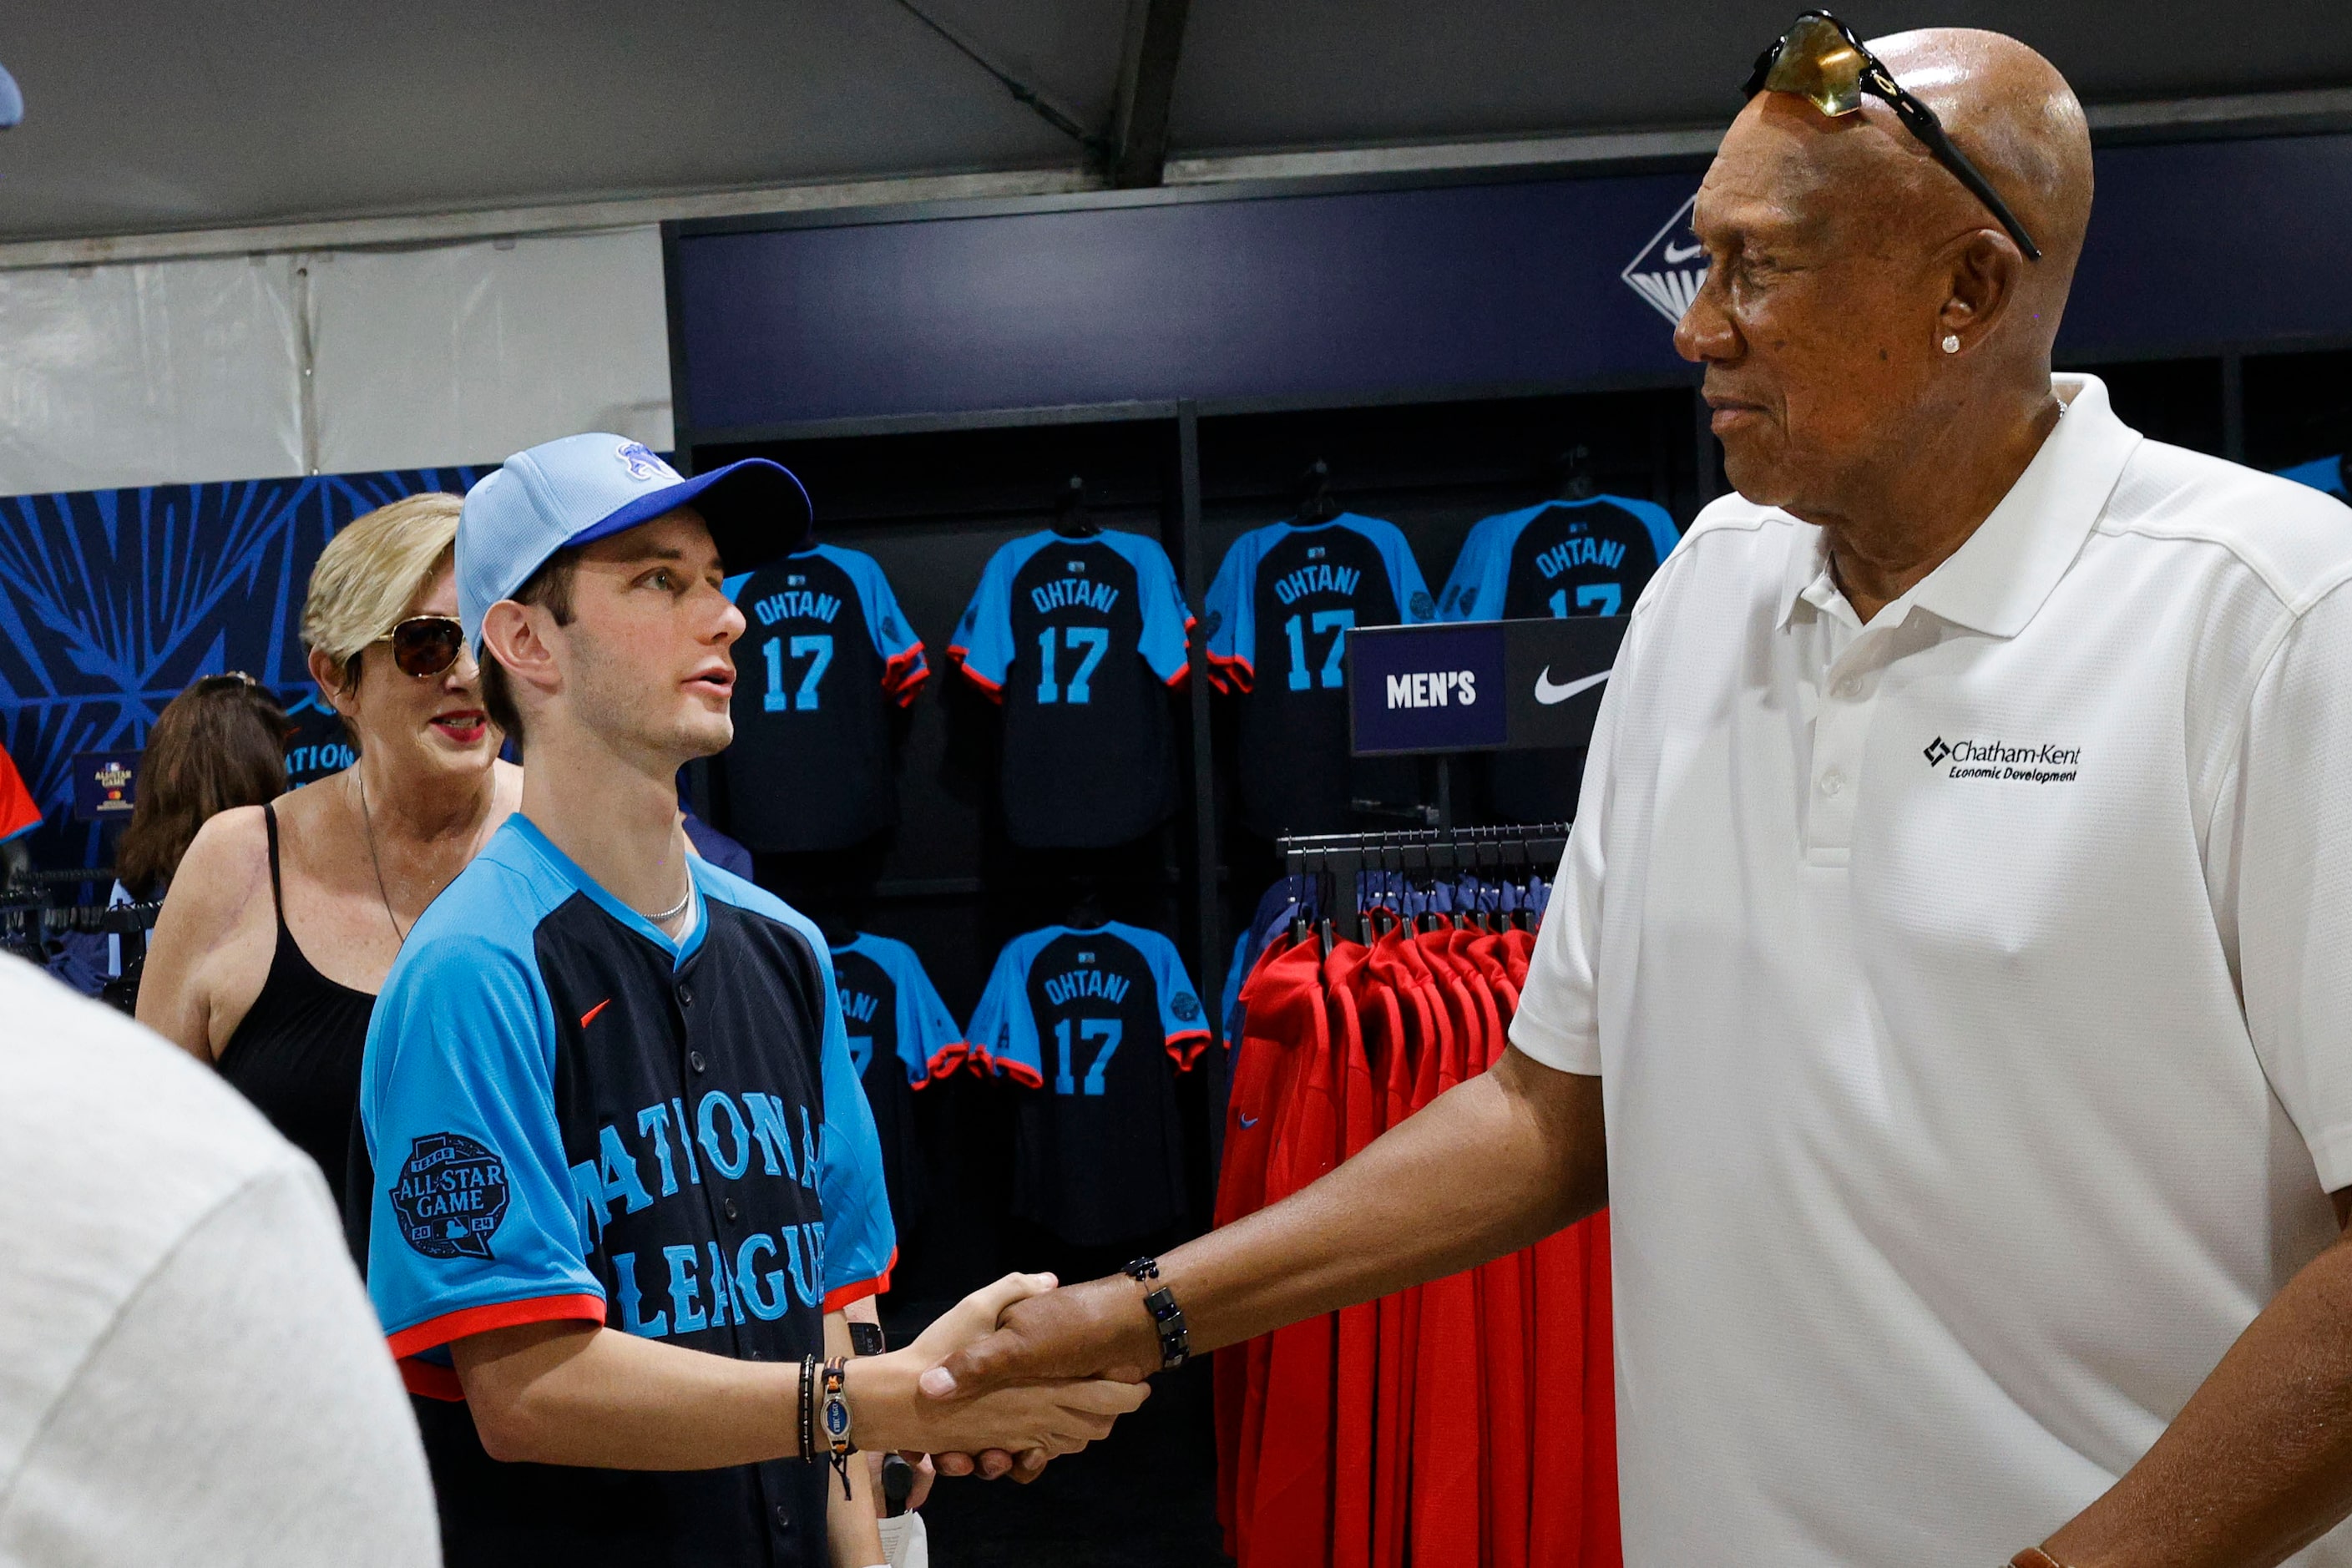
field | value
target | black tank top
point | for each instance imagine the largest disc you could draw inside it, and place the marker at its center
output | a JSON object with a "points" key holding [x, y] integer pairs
{"points": [[296, 1053]]}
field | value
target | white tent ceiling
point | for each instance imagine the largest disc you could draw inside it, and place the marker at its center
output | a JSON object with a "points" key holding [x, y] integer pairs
{"points": [[145, 115]]}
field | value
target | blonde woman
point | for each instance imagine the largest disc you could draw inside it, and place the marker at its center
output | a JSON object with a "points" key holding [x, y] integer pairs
{"points": [[284, 918]]}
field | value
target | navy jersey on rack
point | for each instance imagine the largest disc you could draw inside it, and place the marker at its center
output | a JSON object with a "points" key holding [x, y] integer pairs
{"points": [[1562, 558], [568, 1116], [1080, 640], [825, 652], [1278, 617], [900, 1036], [1098, 1022]]}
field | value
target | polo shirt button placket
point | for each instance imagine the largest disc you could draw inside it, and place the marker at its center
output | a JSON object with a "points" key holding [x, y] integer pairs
{"points": [[1841, 730]]}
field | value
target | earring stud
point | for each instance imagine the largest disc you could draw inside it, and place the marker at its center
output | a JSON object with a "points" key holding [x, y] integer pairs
{"points": [[1951, 343]]}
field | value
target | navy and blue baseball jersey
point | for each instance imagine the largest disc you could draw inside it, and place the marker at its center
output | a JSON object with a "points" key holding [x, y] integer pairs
{"points": [[1098, 1022], [569, 1116], [900, 1036], [1080, 641], [1277, 620], [1559, 559], [826, 653]]}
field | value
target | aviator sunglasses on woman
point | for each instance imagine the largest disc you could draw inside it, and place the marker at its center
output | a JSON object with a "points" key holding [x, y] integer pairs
{"points": [[1820, 60], [426, 646]]}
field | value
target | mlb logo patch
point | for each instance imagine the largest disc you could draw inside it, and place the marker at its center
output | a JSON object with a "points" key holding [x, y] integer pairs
{"points": [[1671, 268]]}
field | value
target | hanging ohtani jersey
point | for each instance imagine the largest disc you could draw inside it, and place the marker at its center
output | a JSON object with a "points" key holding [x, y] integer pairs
{"points": [[1561, 559], [825, 654], [901, 1036], [1098, 1022], [569, 1116], [1080, 640], [1278, 617]]}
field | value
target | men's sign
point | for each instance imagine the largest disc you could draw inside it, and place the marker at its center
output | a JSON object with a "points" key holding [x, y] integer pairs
{"points": [[105, 785], [1479, 686]]}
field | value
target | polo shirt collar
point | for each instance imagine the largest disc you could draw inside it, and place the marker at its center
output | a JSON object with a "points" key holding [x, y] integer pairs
{"points": [[2004, 572]]}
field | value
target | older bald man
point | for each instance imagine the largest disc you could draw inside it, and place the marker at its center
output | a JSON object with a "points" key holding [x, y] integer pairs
{"points": [[1953, 940]]}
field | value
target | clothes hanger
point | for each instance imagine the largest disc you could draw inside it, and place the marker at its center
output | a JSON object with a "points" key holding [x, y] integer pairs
{"points": [[1315, 506], [1571, 475], [1071, 518]]}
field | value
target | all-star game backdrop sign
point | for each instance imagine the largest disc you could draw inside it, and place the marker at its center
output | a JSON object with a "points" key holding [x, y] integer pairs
{"points": [[113, 601]]}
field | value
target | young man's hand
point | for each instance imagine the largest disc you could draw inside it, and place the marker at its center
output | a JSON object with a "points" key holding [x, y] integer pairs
{"points": [[1037, 1418], [1095, 1330]]}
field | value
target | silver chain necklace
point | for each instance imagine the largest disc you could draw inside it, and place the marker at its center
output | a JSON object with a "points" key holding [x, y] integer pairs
{"points": [[399, 936], [677, 909]]}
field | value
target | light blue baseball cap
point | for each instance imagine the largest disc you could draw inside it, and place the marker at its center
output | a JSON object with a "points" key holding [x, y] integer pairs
{"points": [[586, 488]]}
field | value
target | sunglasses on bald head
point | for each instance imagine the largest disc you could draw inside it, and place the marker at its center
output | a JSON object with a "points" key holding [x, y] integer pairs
{"points": [[426, 646], [1820, 60]]}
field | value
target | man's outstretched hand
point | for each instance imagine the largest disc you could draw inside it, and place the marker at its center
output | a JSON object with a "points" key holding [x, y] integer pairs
{"points": [[1097, 1330], [1040, 1417]]}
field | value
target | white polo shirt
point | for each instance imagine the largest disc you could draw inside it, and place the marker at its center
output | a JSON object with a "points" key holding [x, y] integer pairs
{"points": [[1972, 997]]}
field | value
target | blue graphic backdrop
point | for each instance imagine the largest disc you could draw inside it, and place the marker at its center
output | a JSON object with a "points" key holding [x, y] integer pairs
{"points": [[112, 601]]}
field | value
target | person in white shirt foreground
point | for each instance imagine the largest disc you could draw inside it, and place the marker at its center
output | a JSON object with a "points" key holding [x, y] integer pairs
{"points": [[1952, 938], [191, 1372]]}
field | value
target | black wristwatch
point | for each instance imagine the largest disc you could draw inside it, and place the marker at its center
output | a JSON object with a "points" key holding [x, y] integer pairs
{"points": [[864, 1339], [1167, 1317]]}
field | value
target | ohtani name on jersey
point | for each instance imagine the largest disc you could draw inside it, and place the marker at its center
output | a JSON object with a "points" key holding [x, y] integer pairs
{"points": [[1579, 552], [1292, 586], [1067, 592], [1078, 982], [797, 605], [859, 1005]]}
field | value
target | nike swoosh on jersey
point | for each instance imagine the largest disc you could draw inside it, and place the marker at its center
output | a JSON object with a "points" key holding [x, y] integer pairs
{"points": [[1548, 692], [1249, 1122], [590, 1017], [1677, 253]]}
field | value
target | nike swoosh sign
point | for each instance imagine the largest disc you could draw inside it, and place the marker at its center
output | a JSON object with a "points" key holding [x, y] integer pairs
{"points": [[1249, 1122], [590, 1017], [1548, 692], [1678, 254]]}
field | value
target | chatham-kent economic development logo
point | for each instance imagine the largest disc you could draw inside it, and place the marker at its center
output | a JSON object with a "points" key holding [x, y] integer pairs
{"points": [[1993, 760]]}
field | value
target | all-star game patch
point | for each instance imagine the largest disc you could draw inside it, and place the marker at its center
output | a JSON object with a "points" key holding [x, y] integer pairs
{"points": [[451, 1197]]}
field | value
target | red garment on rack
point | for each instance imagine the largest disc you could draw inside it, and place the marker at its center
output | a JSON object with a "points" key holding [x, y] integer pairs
{"points": [[1470, 1420], [1376, 1026], [1283, 1004], [1290, 1511]]}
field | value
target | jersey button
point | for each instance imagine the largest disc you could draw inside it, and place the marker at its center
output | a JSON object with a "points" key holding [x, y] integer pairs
{"points": [[730, 1210], [694, 1061], [783, 1517], [685, 996]]}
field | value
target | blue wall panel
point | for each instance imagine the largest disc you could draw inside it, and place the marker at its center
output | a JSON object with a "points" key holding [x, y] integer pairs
{"points": [[113, 601]]}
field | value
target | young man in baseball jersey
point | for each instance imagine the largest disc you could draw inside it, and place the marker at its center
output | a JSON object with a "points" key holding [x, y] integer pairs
{"points": [[626, 1180]]}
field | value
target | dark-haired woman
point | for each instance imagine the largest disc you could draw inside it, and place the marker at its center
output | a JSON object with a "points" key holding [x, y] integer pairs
{"points": [[218, 745], [284, 918]]}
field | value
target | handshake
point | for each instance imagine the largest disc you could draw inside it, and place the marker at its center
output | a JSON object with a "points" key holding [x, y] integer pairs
{"points": [[1016, 1374]]}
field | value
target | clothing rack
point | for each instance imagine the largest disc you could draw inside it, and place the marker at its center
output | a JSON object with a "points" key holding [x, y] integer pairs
{"points": [[1431, 852]]}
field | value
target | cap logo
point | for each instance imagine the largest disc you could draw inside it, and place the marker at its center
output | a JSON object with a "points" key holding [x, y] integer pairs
{"points": [[641, 462]]}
